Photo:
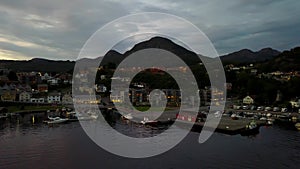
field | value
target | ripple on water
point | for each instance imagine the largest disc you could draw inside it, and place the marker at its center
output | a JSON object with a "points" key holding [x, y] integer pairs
{"points": [[62, 145]]}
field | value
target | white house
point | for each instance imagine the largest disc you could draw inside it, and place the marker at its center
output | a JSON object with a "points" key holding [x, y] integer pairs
{"points": [[24, 97], [37, 100], [248, 100], [54, 98]]}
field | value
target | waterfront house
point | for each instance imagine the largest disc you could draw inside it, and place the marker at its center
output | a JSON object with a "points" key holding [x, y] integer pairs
{"points": [[37, 100], [67, 99], [54, 97], [248, 100], [8, 95], [24, 97]]}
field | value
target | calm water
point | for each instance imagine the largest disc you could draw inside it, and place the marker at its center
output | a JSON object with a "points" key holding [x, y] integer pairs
{"points": [[67, 146]]}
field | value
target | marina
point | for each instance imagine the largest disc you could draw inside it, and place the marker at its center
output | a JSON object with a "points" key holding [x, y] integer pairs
{"points": [[24, 145], [232, 121]]}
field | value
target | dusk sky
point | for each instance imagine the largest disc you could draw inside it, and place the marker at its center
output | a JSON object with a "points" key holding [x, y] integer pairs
{"points": [[56, 29]]}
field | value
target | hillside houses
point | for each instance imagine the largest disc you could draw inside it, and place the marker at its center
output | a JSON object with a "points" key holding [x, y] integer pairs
{"points": [[25, 96], [34, 87], [54, 97]]}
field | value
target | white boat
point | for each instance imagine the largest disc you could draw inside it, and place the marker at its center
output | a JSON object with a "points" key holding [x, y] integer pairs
{"points": [[234, 117], [128, 116], [56, 120], [147, 121]]}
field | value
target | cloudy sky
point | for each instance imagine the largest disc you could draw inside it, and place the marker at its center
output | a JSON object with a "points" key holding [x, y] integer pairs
{"points": [[57, 29]]}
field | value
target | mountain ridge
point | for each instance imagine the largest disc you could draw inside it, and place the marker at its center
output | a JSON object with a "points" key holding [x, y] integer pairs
{"points": [[46, 65], [249, 56]]}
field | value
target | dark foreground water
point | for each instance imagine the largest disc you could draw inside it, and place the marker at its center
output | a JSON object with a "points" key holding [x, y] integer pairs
{"points": [[66, 146]]}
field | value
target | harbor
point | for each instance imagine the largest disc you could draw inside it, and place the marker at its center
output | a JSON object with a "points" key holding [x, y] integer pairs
{"points": [[232, 122], [24, 144]]}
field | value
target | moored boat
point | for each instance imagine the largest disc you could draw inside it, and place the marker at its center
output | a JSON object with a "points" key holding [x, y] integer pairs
{"points": [[55, 120], [128, 116], [146, 121], [234, 116]]}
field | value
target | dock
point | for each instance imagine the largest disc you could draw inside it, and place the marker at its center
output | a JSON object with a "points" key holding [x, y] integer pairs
{"points": [[226, 125]]}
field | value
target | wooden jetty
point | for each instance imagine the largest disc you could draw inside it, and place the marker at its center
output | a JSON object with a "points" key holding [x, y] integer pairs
{"points": [[226, 125]]}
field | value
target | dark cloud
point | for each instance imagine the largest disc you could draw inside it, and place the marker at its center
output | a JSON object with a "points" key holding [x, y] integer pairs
{"points": [[58, 29]]}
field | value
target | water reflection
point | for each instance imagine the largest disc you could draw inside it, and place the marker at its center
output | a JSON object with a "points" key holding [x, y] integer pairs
{"points": [[27, 145]]}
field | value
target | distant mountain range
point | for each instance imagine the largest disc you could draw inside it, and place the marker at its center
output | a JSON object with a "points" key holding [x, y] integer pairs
{"points": [[248, 56], [38, 64], [285, 61], [240, 57]]}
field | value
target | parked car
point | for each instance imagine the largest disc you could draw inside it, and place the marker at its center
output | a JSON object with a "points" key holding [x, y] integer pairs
{"points": [[253, 107], [245, 107], [260, 108], [276, 109], [268, 109]]}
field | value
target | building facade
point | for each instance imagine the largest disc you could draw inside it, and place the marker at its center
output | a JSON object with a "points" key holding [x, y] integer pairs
{"points": [[248, 100], [24, 97]]}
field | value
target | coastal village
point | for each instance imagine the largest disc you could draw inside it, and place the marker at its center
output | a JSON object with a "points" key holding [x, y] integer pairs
{"points": [[53, 91], [255, 91], [46, 88], [143, 84], [35, 87]]}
